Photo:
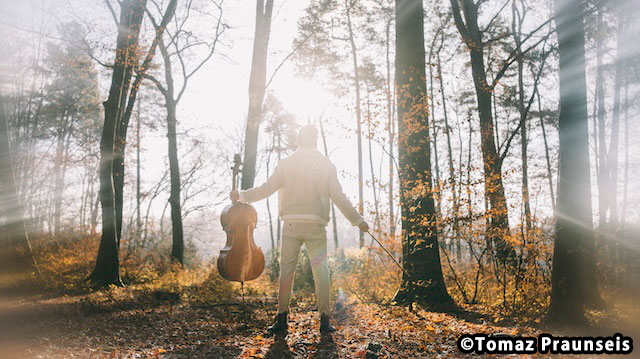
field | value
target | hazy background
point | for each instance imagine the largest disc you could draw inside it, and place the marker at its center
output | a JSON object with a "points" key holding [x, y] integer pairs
{"points": [[212, 115]]}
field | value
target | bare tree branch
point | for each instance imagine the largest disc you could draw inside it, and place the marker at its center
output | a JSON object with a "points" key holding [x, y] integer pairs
{"points": [[286, 58], [514, 56], [495, 16], [157, 83], [507, 144], [457, 17], [113, 12], [220, 28]]}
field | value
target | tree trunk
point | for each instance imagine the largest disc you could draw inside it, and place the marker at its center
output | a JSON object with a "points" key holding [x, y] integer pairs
{"points": [[257, 82], [612, 159], [468, 188], [94, 213], [273, 242], [436, 161], [126, 108], [516, 29], [572, 270], [498, 216], [333, 207], [547, 157], [601, 121], [422, 280], [279, 222], [63, 173], [138, 177], [177, 248], [525, 171], [15, 227], [83, 201], [376, 221], [58, 175], [625, 189], [391, 126], [498, 213], [171, 103], [356, 83], [447, 131], [107, 268]]}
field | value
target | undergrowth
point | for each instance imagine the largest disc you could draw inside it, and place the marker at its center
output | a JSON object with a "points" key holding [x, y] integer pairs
{"points": [[521, 292]]}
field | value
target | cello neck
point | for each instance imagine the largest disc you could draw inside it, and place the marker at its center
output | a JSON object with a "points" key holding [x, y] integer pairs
{"points": [[235, 180], [236, 169]]}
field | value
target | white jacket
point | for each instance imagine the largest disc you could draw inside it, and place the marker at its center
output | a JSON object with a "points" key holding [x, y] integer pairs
{"points": [[306, 182]]}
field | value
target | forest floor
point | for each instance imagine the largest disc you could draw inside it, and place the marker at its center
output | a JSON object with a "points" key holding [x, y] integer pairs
{"points": [[123, 323], [74, 327]]}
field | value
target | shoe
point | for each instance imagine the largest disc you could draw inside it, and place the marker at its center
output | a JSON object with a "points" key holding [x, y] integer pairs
{"points": [[325, 325], [280, 325]]}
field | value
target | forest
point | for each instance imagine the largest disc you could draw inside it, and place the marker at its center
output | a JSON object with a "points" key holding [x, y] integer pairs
{"points": [[487, 148]]}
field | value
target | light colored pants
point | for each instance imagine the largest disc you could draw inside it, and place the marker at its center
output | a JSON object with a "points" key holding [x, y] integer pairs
{"points": [[314, 237]]}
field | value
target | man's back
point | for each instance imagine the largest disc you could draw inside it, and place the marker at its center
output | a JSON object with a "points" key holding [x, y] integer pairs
{"points": [[306, 182], [305, 188]]}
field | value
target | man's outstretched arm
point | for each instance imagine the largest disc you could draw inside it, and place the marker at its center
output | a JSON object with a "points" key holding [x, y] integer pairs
{"points": [[263, 191], [342, 202]]}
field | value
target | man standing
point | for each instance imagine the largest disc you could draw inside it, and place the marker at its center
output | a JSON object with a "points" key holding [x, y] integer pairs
{"points": [[306, 181]]}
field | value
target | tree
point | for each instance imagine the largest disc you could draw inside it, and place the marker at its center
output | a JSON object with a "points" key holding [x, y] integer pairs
{"points": [[387, 10], [613, 156], [118, 109], [327, 36], [373, 83], [628, 12], [422, 281], [182, 43], [601, 145], [107, 268], [494, 188], [257, 89], [334, 222], [15, 228], [442, 36], [608, 157], [129, 100], [518, 13], [52, 110], [349, 6], [573, 246], [546, 155], [71, 99], [465, 15]]}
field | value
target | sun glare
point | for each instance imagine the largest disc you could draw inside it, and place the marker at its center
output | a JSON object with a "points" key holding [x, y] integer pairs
{"points": [[306, 99]]}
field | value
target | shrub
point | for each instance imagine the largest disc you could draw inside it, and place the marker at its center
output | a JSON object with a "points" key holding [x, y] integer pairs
{"points": [[366, 274]]}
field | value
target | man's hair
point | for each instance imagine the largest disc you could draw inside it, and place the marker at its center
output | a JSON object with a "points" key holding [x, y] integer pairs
{"points": [[308, 136]]}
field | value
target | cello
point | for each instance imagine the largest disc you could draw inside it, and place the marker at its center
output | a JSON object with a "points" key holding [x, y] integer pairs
{"points": [[241, 259]]}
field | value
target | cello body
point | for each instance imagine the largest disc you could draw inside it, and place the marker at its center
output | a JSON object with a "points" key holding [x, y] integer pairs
{"points": [[241, 259]]}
